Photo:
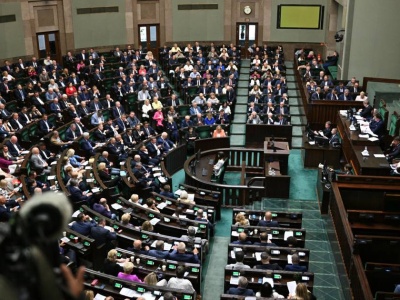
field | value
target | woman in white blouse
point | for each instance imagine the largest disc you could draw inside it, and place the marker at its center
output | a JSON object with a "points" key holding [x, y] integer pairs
{"points": [[146, 107]]}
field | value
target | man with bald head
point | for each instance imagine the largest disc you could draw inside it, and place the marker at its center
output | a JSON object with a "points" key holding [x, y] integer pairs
{"points": [[14, 147], [37, 162], [267, 221], [138, 248], [242, 239], [179, 254], [7, 208]]}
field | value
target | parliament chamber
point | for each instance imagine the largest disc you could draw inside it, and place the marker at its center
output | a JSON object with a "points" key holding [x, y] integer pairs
{"points": [[210, 150]]}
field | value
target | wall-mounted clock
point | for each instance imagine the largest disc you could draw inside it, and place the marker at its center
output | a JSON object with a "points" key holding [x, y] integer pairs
{"points": [[247, 10]]}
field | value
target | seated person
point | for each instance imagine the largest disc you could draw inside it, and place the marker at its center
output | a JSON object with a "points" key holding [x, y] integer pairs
{"points": [[83, 224], [137, 248], [111, 263], [239, 257], [103, 209], [219, 132], [394, 150], [242, 239], [366, 112], [159, 252], [267, 221], [77, 195], [179, 282], [241, 289], [295, 265], [241, 220], [179, 254], [127, 273], [335, 139], [326, 132], [376, 125], [166, 191], [184, 198], [103, 236], [264, 240], [265, 263], [104, 174]]}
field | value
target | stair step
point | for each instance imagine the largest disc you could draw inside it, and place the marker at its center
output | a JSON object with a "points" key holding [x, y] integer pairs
{"points": [[238, 129]]}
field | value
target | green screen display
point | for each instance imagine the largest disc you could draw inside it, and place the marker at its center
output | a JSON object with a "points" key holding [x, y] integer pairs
{"points": [[300, 16]]}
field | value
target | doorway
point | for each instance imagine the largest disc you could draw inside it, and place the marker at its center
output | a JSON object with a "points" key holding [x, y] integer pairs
{"points": [[246, 35], [49, 45], [149, 38]]}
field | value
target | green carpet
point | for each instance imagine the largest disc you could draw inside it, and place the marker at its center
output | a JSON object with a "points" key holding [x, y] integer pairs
{"points": [[302, 181]]}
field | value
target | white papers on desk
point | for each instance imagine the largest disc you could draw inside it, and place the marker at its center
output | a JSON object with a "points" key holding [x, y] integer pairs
{"points": [[88, 168], [182, 217], [186, 274], [234, 280], [365, 153], [291, 287], [178, 192], [121, 163], [343, 112], [95, 190], [129, 293], [156, 169], [121, 264], [258, 256], [363, 136], [162, 179], [379, 155], [167, 246], [109, 228], [289, 259], [72, 223], [99, 297], [393, 166], [270, 236], [162, 205], [25, 152], [75, 214], [53, 163], [148, 296], [65, 239], [352, 128], [235, 233], [51, 177], [189, 211], [154, 221], [116, 206], [269, 280], [158, 174], [311, 142], [90, 180], [84, 163], [191, 197], [358, 117], [287, 234], [373, 139]]}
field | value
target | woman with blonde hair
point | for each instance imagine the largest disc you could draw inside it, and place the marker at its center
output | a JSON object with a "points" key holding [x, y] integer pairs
{"points": [[146, 226], [127, 274], [74, 160], [159, 118], [146, 107], [151, 279], [89, 295], [111, 266], [184, 198], [219, 132], [241, 220], [125, 220], [302, 293]]}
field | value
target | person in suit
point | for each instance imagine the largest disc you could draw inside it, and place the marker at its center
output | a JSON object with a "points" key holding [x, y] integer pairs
{"points": [[71, 133], [165, 143], [366, 111], [282, 109], [116, 149], [254, 118], [138, 248], [87, 145], [44, 125], [194, 109], [242, 239], [179, 254], [282, 120], [46, 154], [267, 221], [105, 176], [146, 158], [76, 195], [103, 208], [15, 122], [21, 95], [122, 123], [327, 131], [222, 118], [295, 267], [335, 139], [377, 125], [7, 208], [173, 101], [148, 130], [266, 264], [159, 251], [242, 289], [24, 117], [239, 265], [37, 162], [103, 236], [83, 224], [394, 150], [264, 241], [317, 95], [346, 96], [95, 105], [14, 147]]}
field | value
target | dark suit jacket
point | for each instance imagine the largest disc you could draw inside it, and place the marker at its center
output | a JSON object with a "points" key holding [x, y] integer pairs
{"points": [[43, 127], [83, 227], [12, 149], [99, 136], [115, 112], [366, 112], [14, 124], [102, 235], [268, 267], [5, 212], [151, 131], [240, 291], [76, 194], [189, 258], [159, 254], [377, 127], [268, 223], [296, 268]]}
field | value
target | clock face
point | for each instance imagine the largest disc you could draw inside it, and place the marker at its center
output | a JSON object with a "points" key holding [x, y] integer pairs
{"points": [[247, 10]]}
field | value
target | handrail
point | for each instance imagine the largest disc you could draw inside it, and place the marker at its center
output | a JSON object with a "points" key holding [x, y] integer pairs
{"points": [[254, 179]]}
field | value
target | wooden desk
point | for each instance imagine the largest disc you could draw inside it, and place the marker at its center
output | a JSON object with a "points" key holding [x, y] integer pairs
{"points": [[255, 134], [353, 145], [314, 155], [277, 185], [323, 194], [281, 154]]}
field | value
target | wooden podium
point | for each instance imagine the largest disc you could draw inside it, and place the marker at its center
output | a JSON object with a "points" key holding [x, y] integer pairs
{"points": [[277, 151]]}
